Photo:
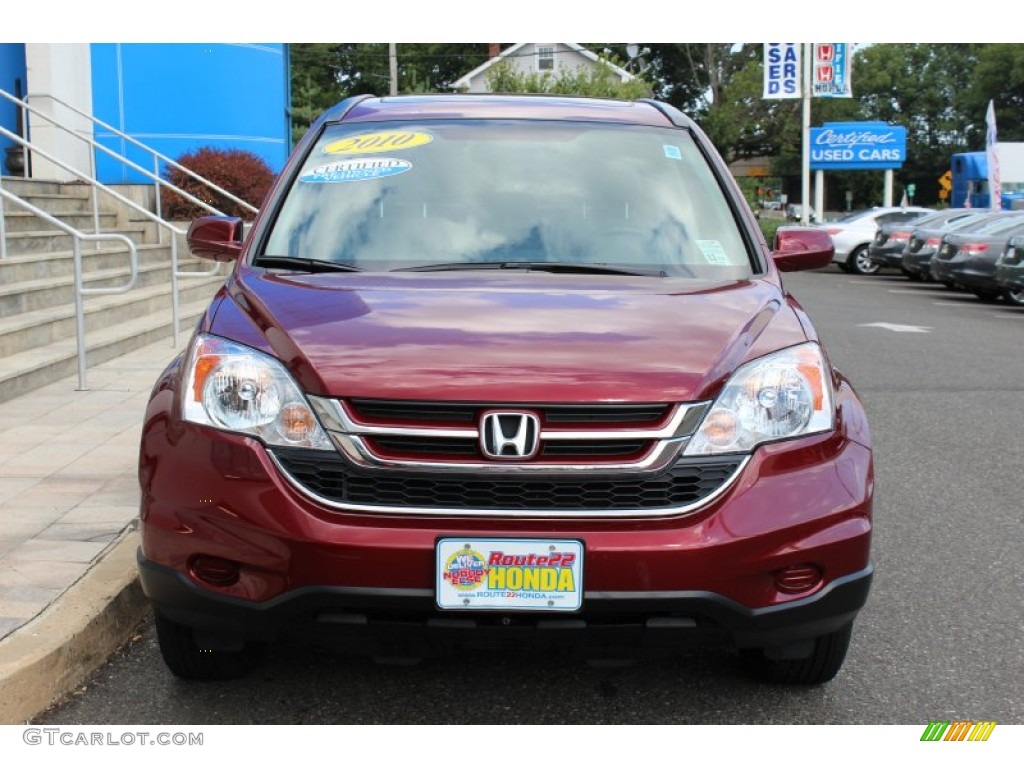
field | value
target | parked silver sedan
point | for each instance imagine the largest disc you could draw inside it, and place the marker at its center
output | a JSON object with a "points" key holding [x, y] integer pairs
{"points": [[852, 234]]}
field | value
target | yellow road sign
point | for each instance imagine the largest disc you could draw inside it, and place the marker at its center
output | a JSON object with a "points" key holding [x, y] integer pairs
{"points": [[946, 180]]}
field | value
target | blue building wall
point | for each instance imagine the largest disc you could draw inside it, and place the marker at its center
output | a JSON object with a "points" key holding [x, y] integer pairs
{"points": [[12, 67], [178, 97]]}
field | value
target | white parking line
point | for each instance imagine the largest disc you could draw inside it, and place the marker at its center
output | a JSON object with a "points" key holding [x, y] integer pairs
{"points": [[1010, 315], [965, 303], [912, 292]]}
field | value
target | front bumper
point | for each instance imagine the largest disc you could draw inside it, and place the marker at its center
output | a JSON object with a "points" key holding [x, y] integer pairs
{"points": [[306, 566], [405, 620]]}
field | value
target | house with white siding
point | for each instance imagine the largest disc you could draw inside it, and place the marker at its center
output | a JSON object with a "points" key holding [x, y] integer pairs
{"points": [[536, 58]]}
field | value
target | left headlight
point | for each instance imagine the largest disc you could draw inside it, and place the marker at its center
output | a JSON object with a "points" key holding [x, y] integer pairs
{"points": [[782, 395], [239, 389]]}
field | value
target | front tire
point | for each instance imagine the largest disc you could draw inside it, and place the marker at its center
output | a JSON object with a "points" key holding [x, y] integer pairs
{"points": [[822, 665], [859, 262], [1015, 297], [187, 659]]}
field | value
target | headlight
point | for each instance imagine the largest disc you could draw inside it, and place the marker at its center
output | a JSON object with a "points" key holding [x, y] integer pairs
{"points": [[233, 387], [782, 395]]}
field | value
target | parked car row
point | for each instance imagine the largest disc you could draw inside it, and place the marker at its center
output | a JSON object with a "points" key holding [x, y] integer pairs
{"points": [[853, 234], [962, 248]]}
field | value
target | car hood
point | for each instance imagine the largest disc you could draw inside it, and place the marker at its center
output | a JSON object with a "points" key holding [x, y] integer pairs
{"points": [[521, 337]]}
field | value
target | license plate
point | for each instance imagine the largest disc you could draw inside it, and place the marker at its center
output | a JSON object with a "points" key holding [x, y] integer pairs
{"points": [[510, 574]]}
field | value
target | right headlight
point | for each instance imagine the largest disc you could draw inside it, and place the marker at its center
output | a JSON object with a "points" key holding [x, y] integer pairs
{"points": [[239, 389], [782, 395]]}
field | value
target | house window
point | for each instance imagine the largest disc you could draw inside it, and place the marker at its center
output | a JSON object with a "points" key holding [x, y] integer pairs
{"points": [[545, 58]]}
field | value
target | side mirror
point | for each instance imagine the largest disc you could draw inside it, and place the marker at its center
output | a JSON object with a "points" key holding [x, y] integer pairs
{"points": [[799, 248], [218, 238]]}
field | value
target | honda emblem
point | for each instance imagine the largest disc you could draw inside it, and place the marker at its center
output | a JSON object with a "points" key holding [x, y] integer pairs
{"points": [[509, 436]]}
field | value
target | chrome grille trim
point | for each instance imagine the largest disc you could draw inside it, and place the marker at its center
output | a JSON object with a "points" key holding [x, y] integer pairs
{"points": [[521, 514], [336, 418], [347, 433], [355, 450]]}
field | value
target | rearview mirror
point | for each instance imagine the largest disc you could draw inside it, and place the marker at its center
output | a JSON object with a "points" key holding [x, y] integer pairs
{"points": [[217, 238], [800, 248]]}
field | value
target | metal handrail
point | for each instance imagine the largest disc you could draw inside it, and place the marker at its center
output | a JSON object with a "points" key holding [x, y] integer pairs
{"points": [[25, 106], [80, 290], [156, 155], [175, 231]]}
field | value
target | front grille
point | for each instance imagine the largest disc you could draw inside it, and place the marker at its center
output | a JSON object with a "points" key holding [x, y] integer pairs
{"points": [[410, 412], [468, 448], [331, 477], [371, 432]]}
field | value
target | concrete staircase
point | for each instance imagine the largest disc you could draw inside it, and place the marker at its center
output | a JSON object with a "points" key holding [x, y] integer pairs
{"points": [[37, 317]]}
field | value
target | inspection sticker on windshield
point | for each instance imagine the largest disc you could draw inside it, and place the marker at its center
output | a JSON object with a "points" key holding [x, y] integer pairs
{"points": [[510, 574], [672, 152], [713, 252], [356, 170], [381, 141]]}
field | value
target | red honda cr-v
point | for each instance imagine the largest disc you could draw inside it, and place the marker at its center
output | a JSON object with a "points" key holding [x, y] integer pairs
{"points": [[493, 369]]}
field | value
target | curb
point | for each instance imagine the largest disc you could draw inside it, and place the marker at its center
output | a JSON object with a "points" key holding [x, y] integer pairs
{"points": [[74, 636]]}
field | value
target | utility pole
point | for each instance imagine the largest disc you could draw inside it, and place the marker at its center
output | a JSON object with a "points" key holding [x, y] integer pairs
{"points": [[393, 68], [805, 197]]}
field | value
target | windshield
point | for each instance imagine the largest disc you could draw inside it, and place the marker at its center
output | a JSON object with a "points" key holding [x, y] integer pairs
{"points": [[403, 195]]}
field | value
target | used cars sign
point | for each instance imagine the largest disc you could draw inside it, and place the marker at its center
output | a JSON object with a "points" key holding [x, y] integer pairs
{"points": [[858, 146]]}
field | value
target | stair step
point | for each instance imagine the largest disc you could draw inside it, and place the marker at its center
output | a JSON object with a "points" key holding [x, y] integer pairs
{"points": [[22, 187], [32, 295], [26, 221], [40, 266], [45, 326], [51, 202], [47, 241], [29, 370]]}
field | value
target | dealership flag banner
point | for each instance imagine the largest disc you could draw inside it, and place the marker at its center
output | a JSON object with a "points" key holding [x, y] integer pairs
{"points": [[782, 70], [995, 186], [830, 70]]}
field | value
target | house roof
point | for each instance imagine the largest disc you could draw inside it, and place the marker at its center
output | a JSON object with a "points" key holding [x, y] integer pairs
{"points": [[463, 82]]}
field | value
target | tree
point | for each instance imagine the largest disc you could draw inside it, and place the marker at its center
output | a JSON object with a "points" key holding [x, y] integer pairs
{"points": [[997, 76], [598, 80], [323, 74]]}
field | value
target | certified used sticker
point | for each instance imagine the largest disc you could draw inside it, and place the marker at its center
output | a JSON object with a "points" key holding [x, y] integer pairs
{"points": [[381, 141], [360, 169]]}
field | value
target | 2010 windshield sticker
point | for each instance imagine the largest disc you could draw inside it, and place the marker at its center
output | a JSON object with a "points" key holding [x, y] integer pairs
{"points": [[381, 141], [672, 152], [713, 252], [361, 169]]}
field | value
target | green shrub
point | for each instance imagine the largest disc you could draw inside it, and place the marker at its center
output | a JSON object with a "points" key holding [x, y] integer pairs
{"points": [[241, 173]]}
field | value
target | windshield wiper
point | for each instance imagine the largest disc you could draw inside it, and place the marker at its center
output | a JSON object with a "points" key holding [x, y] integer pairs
{"points": [[565, 267], [306, 265]]}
